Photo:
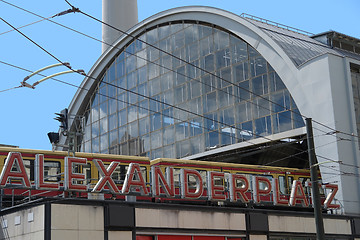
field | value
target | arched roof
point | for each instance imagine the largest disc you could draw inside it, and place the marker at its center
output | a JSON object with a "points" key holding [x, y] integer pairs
{"points": [[253, 32]]}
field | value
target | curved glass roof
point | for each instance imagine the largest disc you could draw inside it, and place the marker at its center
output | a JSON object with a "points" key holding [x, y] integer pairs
{"points": [[152, 104]]}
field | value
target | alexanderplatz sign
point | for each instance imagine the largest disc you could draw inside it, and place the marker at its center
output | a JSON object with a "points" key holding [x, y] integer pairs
{"points": [[232, 187]]}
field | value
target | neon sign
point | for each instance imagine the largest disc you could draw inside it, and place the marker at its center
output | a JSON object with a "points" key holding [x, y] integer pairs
{"points": [[219, 186]]}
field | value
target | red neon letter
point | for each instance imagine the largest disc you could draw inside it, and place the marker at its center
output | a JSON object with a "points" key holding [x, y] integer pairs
{"points": [[14, 159], [215, 191], [185, 191], [39, 175], [105, 176], [256, 187], [167, 184], [238, 192], [297, 193], [276, 193], [330, 196], [70, 176], [134, 172]]}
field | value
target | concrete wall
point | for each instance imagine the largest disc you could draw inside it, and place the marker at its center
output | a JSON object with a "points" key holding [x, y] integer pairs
{"points": [[293, 224], [77, 222], [25, 224], [117, 235], [160, 218], [95, 222]]}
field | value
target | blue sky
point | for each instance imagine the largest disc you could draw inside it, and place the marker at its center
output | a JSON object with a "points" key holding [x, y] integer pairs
{"points": [[27, 114]]}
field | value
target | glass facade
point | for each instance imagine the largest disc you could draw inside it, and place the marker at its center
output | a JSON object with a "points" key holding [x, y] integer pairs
{"points": [[152, 104]]}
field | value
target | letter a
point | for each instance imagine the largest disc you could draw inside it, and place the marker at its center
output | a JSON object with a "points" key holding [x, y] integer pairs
{"points": [[14, 159]]}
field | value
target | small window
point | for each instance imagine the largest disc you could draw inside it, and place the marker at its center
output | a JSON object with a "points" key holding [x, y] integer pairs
{"points": [[52, 171]]}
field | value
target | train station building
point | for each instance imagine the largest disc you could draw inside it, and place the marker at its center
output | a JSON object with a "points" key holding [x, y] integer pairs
{"points": [[206, 84]]}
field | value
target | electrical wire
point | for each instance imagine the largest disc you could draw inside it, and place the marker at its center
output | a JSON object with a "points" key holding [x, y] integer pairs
{"points": [[268, 164], [182, 60], [169, 69], [38, 45], [150, 45], [193, 65], [73, 9], [25, 25], [77, 10], [130, 91], [126, 89], [131, 104], [5, 90]]}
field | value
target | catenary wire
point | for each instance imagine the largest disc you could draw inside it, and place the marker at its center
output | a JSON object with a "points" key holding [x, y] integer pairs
{"points": [[116, 86], [210, 73], [120, 87], [73, 85], [77, 10], [25, 25], [130, 91], [182, 60], [145, 59]]}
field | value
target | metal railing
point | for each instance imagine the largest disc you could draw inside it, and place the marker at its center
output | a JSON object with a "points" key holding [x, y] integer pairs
{"points": [[263, 20]]}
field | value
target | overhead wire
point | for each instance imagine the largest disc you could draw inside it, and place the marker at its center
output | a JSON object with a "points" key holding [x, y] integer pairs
{"points": [[206, 71], [25, 26], [117, 86], [150, 45], [158, 64], [130, 91], [181, 109], [126, 102], [77, 10], [268, 164], [182, 60], [73, 9]]}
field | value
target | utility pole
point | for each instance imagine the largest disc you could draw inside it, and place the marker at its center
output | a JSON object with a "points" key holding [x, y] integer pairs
{"points": [[320, 235]]}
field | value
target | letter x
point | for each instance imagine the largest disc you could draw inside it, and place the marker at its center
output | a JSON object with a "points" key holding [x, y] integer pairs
{"points": [[105, 176]]}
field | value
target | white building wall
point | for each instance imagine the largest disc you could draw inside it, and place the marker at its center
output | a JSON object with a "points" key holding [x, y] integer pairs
{"points": [[25, 224], [328, 101], [77, 222]]}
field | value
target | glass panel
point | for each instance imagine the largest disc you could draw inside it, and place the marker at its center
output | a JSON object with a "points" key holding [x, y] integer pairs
{"points": [[259, 85], [168, 117], [155, 121], [144, 126], [241, 72], [104, 141], [182, 149], [156, 139], [258, 66], [196, 127], [181, 131], [168, 135], [238, 50], [131, 80], [169, 151], [211, 122], [114, 138], [212, 140], [210, 103], [133, 129], [112, 122], [223, 58], [197, 144]]}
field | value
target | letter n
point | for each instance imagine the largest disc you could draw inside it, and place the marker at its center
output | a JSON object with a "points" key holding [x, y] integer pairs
{"points": [[167, 183]]}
